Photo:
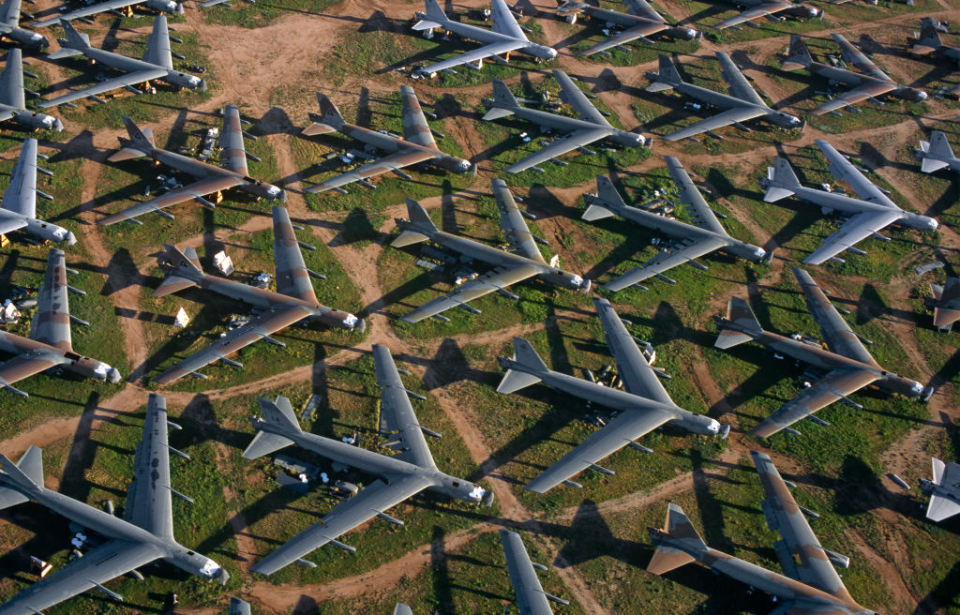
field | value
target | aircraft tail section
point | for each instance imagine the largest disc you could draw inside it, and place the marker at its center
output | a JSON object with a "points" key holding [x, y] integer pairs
{"points": [[741, 325], [667, 77], [781, 181], [330, 118], [674, 542], [607, 203], [929, 40], [182, 269], [423, 226], [26, 473], [278, 421], [938, 153], [75, 40], [434, 17], [504, 101], [139, 144], [798, 56], [525, 355]]}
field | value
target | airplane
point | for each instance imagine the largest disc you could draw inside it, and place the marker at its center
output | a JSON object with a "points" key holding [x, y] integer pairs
{"points": [[943, 489], [506, 36], [590, 127], [946, 302], [211, 179], [531, 599], [937, 154], [120, 8], [400, 476], [520, 262], [869, 214], [293, 302], [416, 145], [742, 104], [13, 101], [144, 535], [771, 9], [49, 346], [18, 209], [639, 22], [703, 236], [156, 65], [11, 30], [867, 85], [809, 584], [930, 44], [643, 406], [847, 366]]}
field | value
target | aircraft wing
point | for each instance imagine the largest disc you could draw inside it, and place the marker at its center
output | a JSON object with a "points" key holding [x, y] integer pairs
{"points": [[20, 197], [10, 13], [948, 476], [835, 385], [292, 275], [397, 419], [843, 170], [11, 222], [415, 126], [642, 9], [198, 189], [838, 335], [664, 261], [51, 323], [108, 561], [372, 501], [130, 79], [11, 80], [392, 162], [531, 599], [233, 154], [739, 87], [149, 503], [767, 8], [504, 22], [28, 364], [574, 96], [638, 377], [275, 319], [480, 53], [621, 431], [513, 225], [494, 281], [560, 146], [868, 90], [856, 57], [94, 9], [691, 197], [855, 229], [731, 116], [630, 34]]}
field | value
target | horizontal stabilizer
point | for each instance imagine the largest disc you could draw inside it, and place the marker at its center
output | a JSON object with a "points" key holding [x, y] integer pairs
{"points": [[929, 165], [125, 153], [408, 238], [265, 443], [425, 24], [496, 113], [659, 86], [775, 193], [729, 339], [318, 128], [941, 508], [514, 381], [64, 52], [596, 212], [171, 285]]}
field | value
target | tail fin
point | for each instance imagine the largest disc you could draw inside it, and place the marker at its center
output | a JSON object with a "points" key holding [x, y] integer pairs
{"points": [[667, 75], [419, 218], [76, 40], [280, 417], [524, 354], [28, 472], [677, 527], [607, 193], [929, 40], [781, 181], [740, 316], [330, 118], [504, 101], [182, 268], [939, 147], [798, 56], [139, 144], [434, 16]]}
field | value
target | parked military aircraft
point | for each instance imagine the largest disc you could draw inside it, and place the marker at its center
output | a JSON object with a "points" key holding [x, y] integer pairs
{"points": [[293, 302], [943, 489], [703, 236], [120, 8], [930, 44], [18, 209], [591, 126], [211, 179], [809, 587], [416, 145], [771, 9], [639, 22], [847, 366], [11, 30], [643, 406], [531, 599], [937, 154], [143, 536], [49, 345], [506, 36], [239, 607], [13, 101], [522, 261], [946, 303], [869, 214], [867, 85], [742, 104], [156, 65], [401, 476]]}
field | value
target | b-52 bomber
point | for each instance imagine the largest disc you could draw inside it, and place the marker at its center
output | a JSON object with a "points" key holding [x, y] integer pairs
{"points": [[703, 236], [293, 302], [639, 22], [741, 104], [589, 128], [643, 406], [869, 214], [18, 209], [771, 9], [866, 85], [400, 476], [846, 367], [13, 100], [943, 489], [211, 179], [505, 37], [522, 261], [937, 154], [120, 8], [11, 30], [930, 44], [946, 303], [416, 145], [156, 65], [49, 345], [144, 535], [531, 599], [809, 584]]}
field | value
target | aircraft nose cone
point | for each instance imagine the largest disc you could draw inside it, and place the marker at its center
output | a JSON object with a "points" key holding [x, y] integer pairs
{"points": [[114, 375], [71, 239], [224, 576]]}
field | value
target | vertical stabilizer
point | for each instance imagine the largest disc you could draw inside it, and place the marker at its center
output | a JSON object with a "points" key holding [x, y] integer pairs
{"points": [[741, 325], [781, 181], [278, 421], [798, 55], [330, 118], [673, 541], [667, 77], [526, 356]]}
